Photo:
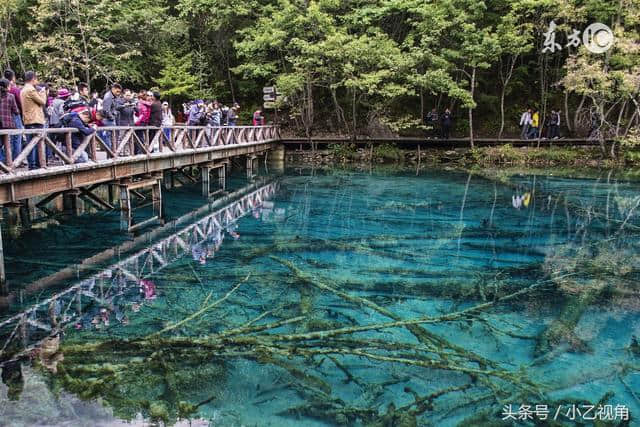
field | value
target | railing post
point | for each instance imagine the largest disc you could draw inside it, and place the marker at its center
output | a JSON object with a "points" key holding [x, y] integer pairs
{"points": [[3, 277], [42, 155], [8, 155], [67, 143]]}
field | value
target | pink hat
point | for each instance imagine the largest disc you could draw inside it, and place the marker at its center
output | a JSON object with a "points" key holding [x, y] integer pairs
{"points": [[63, 93]]}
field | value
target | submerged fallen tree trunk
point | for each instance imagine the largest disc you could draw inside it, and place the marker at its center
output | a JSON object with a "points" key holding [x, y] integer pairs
{"points": [[562, 329]]}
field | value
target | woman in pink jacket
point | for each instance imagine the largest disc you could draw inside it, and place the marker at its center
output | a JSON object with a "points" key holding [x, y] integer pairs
{"points": [[144, 113]]}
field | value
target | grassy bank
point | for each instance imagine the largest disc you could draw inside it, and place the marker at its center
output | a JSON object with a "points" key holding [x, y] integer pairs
{"points": [[504, 155]]}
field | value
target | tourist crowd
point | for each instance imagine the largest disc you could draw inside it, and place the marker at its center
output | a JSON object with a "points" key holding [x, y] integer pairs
{"points": [[439, 125], [530, 125], [36, 105]]}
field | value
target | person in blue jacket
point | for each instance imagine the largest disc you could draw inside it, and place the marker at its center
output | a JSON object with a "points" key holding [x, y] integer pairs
{"points": [[78, 120]]}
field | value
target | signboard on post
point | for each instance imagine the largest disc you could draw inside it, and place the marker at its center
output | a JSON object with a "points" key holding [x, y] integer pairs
{"points": [[270, 97]]}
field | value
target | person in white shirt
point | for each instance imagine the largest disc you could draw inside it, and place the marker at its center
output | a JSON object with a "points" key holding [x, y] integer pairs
{"points": [[525, 123], [167, 120]]}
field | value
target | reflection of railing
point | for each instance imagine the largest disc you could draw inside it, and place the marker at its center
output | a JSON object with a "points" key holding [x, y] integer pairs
{"points": [[26, 329], [51, 146]]}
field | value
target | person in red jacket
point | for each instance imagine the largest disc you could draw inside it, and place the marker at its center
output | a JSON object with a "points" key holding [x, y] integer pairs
{"points": [[144, 114], [144, 109], [258, 118]]}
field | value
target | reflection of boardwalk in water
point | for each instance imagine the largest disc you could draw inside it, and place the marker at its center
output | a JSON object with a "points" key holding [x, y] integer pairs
{"points": [[27, 329]]}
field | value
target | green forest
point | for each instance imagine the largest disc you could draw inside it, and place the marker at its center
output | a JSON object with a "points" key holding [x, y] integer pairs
{"points": [[358, 67]]}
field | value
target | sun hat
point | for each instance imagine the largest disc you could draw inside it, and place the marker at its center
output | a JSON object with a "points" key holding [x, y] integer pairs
{"points": [[64, 93]]}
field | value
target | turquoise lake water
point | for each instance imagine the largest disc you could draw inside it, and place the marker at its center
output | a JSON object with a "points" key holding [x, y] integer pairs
{"points": [[334, 297]]}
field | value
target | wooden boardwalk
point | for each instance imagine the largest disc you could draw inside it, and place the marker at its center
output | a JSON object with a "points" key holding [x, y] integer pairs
{"points": [[127, 160], [135, 151], [425, 143]]}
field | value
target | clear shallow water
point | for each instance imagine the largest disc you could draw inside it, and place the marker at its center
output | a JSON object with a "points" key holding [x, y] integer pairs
{"points": [[555, 279]]}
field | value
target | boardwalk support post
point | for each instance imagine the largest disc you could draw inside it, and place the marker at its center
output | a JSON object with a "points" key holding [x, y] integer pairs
{"points": [[3, 277], [126, 210], [71, 202], [206, 178], [252, 165]]}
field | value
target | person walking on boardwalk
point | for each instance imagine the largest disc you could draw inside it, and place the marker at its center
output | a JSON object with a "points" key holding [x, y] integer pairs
{"points": [[8, 109], [144, 113], [432, 121], [554, 125], [167, 120], [233, 115], [16, 140], [155, 117], [535, 124], [109, 111], [33, 100], [525, 123], [258, 118], [126, 109], [447, 122]]}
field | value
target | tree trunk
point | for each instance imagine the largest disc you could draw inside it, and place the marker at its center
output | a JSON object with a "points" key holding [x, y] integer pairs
{"points": [[226, 60], [473, 87], [353, 114], [342, 122], [505, 82], [421, 105], [543, 97], [577, 113], [566, 112], [501, 112], [308, 110]]}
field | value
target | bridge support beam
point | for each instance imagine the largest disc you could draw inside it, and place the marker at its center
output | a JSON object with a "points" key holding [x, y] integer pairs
{"points": [[25, 214], [126, 209], [71, 202], [13, 219], [252, 165], [168, 178], [276, 158], [206, 178]]}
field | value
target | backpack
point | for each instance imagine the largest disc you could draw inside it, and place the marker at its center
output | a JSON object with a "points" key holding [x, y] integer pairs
{"points": [[72, 104]]}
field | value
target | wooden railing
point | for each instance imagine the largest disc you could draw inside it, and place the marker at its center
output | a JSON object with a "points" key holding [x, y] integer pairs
{"points": [[53, 146]]}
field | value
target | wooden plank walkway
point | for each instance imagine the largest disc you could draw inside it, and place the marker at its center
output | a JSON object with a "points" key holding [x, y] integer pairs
{"points": [[303, 143]]}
